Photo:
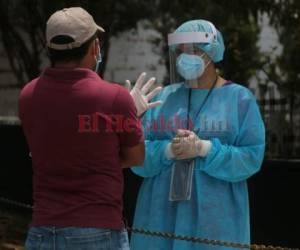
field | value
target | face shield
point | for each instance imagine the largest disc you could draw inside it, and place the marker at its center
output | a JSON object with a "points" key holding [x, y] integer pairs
{"points": [[187, 60]]}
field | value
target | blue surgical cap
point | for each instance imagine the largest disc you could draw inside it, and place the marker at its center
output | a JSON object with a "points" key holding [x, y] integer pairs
{"points": [[214, 50]]}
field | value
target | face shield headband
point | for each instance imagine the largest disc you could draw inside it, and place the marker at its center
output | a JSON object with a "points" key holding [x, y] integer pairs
{"points": [[186, 61], [193, 37]]}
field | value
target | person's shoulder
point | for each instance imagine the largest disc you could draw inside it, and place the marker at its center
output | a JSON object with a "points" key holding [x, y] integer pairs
{"points": [[114, 86], [98, 87], [168, 90], [28, 88], [172, 87], [123, 102], [119, 90], [240, 91], [123, 96], [117, 93]]}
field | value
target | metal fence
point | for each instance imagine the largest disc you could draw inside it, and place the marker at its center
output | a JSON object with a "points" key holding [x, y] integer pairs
{"points": [[282, 126]]}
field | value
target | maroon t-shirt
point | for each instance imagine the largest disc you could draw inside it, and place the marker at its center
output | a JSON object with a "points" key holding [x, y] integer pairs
{"points": [[75, 124]]}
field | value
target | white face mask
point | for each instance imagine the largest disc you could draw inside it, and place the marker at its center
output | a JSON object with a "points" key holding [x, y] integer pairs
{"points": [[190, 67]]}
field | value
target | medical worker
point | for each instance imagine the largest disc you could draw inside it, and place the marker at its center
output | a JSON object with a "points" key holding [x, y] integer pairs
{"points": [[202, 144]]}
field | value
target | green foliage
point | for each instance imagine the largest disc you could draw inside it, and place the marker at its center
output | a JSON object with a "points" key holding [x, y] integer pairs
{"points": [[285, 16], [283, 70], [20, 26]]}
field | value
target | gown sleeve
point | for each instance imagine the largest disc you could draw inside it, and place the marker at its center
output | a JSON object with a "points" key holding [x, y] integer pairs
{"points": [[241, 160], [155, 159]]}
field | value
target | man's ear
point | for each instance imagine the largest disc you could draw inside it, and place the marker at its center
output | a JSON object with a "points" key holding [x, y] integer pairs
{"points": [[94, 47], [97, 46]]}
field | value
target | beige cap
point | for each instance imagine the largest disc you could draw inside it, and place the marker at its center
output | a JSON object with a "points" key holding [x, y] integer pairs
{"points": [[74, 22]]}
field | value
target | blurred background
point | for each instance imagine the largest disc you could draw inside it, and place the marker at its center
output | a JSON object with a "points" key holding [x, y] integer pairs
{"points": [[262, 39]]}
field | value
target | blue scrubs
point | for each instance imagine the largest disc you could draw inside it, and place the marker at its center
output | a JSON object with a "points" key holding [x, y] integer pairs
{"points": [[218, 208]]}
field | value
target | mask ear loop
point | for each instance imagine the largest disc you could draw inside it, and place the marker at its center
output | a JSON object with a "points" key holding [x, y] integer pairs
{"points": [[98, 57]]}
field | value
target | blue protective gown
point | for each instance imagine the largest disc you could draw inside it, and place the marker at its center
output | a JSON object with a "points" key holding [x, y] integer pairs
{"points": [[218, 208]]}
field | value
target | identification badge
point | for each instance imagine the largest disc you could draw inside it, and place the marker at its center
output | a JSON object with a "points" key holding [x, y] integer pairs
{"points": [[181, 180]]}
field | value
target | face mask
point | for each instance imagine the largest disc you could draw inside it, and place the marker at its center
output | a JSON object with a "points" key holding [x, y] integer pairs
{"points": [[190, 67], [98, 61]]}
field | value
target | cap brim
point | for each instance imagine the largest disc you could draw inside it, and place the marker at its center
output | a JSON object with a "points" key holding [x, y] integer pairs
{"points": [[100, 28]]}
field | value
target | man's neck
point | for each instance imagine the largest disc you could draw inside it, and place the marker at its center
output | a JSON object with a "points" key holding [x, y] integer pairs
{"points": [[70, 65]]}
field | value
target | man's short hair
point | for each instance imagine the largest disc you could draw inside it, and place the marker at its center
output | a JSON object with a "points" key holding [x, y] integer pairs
{"points": [[67, 55]]}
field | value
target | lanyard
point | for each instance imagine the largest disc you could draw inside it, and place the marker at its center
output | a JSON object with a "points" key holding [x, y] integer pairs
{"points": [[202, 104]]}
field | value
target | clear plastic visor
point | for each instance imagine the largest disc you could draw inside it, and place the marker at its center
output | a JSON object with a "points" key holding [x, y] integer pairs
{"points": [[184, 54]]}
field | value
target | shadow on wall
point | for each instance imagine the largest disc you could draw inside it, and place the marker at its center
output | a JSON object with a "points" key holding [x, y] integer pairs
{"points": [[274, 191]]}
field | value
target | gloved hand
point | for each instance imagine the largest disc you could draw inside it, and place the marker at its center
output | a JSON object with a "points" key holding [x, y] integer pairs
{"points": [[186, 145], [142, 95]]}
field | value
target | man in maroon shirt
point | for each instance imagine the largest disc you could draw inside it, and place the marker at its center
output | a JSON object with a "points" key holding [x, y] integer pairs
{"points": [[81, 131]]}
